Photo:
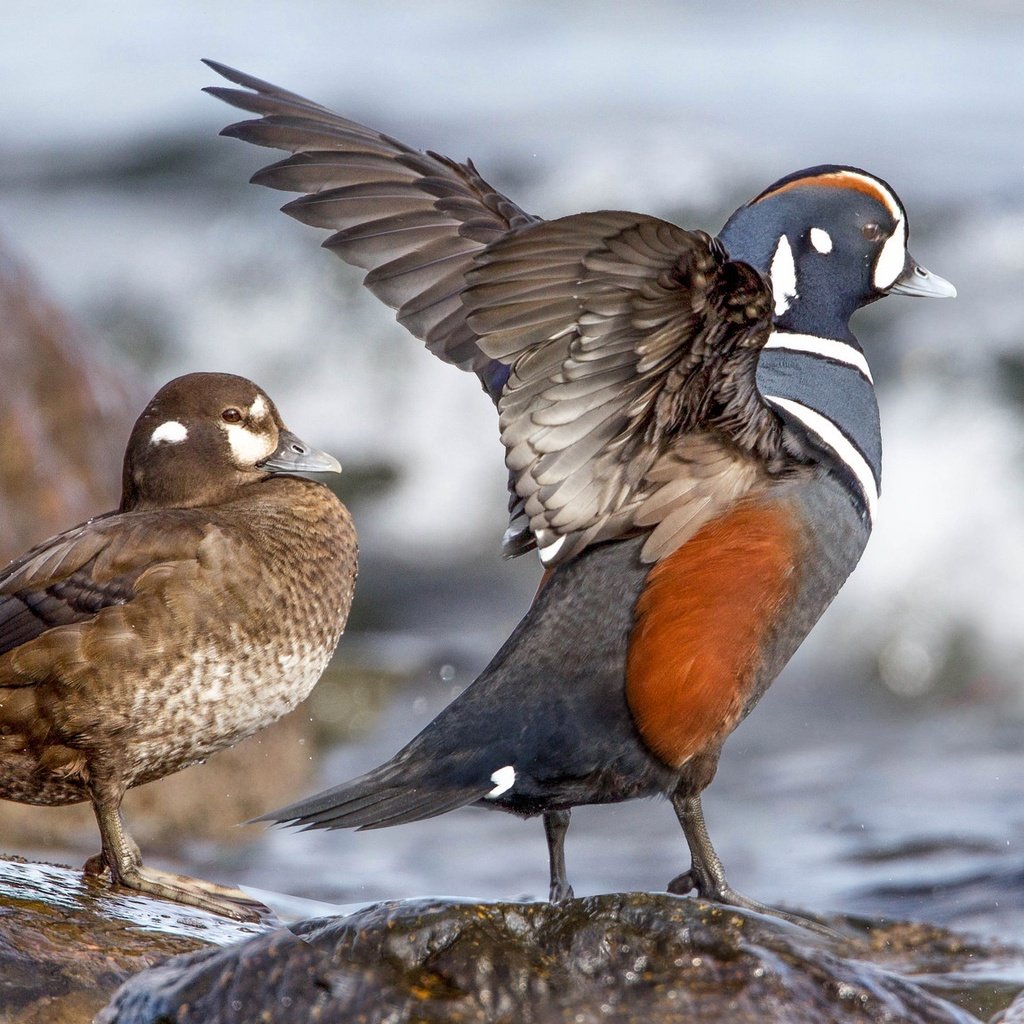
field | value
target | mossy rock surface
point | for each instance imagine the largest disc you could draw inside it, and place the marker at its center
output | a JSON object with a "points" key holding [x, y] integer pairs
{"points": [[626, 957]]}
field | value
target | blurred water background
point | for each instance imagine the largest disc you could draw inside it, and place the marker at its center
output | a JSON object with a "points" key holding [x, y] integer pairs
{"points": [[883, 771]]}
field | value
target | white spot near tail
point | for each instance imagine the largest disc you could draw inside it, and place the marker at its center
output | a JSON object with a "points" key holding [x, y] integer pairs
{"points": [[171, 432], [503, 779], [821, 240], [783, 275]]}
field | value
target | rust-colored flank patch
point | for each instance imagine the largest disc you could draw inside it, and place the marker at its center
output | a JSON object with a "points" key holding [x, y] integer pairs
{"points": [[695, 648]]}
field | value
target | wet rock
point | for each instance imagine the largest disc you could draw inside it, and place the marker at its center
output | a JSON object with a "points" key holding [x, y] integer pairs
{"points": [[67, 942], [625, 957]]}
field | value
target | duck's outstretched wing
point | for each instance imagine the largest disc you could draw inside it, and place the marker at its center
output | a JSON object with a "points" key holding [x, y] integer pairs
{"points": [[632, 344], [414, 220], [631, 402]]}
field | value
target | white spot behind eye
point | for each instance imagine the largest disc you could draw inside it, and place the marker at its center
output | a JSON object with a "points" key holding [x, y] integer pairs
{"points": [[503, 779], [821, 240], [893, 257], [247, 447], [171, 432], [783, 275], [258, 409]]}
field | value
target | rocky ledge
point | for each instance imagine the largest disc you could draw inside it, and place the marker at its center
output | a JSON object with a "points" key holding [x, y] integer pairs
{"points": [[624, 957], [66, 943]]}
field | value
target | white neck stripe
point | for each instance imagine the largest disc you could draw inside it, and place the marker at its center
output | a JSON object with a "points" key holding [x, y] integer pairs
{"points": [[830, 348], [839, 443]]}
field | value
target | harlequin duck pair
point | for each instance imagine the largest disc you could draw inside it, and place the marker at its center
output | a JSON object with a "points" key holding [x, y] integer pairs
{"points": [[204, 608], [693, 448]]}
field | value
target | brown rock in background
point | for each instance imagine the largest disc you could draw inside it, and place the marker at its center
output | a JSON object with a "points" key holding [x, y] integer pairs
{"points": [[65, 417]]}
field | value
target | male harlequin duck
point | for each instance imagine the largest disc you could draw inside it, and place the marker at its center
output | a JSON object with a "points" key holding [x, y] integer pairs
{"points": [[202, 610], [693, 445]]}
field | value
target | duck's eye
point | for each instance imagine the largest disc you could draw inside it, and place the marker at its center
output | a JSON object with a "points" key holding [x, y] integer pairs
{"points": [[231, 415], [872, 232]]}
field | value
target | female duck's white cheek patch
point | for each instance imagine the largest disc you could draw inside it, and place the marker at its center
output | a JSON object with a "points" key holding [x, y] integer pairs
{"points": [[171, 432], [892, 259], [247, 448]]}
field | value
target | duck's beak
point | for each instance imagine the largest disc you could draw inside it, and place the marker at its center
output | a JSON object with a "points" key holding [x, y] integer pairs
{"points": [[915, 280], [293, 455]]}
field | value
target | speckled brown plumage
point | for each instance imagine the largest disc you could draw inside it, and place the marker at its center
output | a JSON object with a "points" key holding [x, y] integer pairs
{"points": [[145, 640]]}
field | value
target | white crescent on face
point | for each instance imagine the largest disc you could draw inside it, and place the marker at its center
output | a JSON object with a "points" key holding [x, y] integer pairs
{"points": [[250, 446], [783, 276], [893, 257]]}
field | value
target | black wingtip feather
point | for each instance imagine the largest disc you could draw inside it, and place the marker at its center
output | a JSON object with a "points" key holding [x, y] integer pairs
{"points": [[257, 85], [242, 79]]}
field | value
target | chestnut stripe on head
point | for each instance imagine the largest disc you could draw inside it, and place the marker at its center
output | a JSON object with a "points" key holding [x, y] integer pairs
{"points": [[840, 179]]}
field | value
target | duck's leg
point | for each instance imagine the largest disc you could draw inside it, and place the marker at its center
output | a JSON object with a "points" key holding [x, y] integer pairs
{"points": [[707, 876], [556, 824], [706, 873], [121, 856]]}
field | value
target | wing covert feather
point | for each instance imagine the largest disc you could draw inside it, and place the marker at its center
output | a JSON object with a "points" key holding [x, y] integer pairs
{"points": [[631, 403]]}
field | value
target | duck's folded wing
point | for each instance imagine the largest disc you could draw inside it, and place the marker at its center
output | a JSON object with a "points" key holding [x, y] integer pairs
{"points": [[631, 401], [72, 577]]}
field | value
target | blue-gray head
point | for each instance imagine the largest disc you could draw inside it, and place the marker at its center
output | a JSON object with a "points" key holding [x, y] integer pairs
{"points": [[831, 239]]}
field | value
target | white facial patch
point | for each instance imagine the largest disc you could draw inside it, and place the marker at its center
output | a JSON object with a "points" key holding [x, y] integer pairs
{"points": [[783, 275], [247, 447], [503, 779], [893, 257], [258, 409], [821, 240], [171, 432]]}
